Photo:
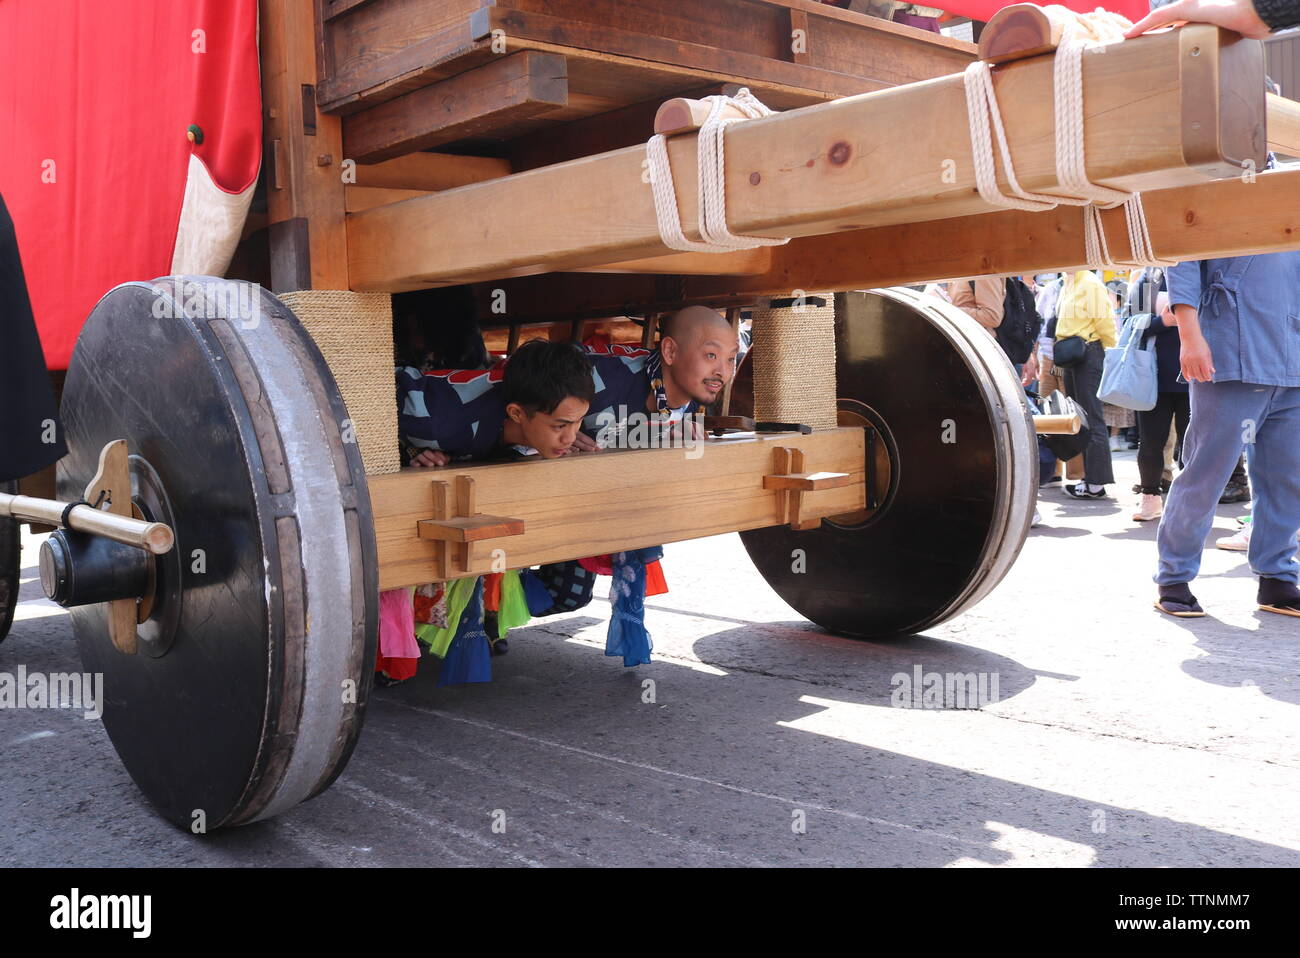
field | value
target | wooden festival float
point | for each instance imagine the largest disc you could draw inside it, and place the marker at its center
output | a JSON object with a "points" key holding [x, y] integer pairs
{"points": [[502, 145]]}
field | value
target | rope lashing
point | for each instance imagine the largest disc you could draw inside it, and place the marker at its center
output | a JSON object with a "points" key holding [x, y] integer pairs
{"points": [[1078, 33], [710, 147]]}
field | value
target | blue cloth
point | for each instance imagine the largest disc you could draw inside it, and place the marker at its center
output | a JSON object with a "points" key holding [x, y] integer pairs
{"points": [[537, 596], [1210, 450], [627, 634], [1249, 309], [469, 657], [459, 411]]}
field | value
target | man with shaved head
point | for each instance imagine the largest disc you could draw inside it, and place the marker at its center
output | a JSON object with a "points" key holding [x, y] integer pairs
{"points": [[695, 360]]}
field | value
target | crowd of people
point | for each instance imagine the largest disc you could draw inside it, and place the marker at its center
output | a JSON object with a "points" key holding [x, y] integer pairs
{"points": [[1226, 338]]}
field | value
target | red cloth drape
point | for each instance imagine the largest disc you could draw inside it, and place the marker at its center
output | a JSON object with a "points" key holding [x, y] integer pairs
{"points": [[984, 9], [95, 101]]}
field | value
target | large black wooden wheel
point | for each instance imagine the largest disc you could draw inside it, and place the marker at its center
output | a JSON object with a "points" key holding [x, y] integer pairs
{"points": [[952, 442], [10, 543], [257, 653]]}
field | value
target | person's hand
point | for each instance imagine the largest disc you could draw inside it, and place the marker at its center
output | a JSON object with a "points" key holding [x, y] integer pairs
{"points": [[1195, 356], [688, 427], [1236, 15], [430, 457], [1029, 371], [584, 443], [1169, 317]]}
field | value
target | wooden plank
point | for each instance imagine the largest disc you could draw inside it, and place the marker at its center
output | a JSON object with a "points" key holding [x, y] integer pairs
{"points": [[744, 262], [389, 48], [358, 198], [1223, 218], [473, 103], [1283, 125], [799, 37], [808, 481], [579, 506], [334, 8], [530, 29], [309, 152], [612, 130], [819, 169], [471, 528], [430, 171], [383, 50]]}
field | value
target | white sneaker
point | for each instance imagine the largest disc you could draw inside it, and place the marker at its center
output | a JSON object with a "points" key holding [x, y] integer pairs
{"points": [[1239, 541], [1116, 443], [1152, 507]]}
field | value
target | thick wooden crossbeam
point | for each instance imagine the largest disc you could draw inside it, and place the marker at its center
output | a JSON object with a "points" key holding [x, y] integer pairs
{"points": [[1283, 125], [603, 502], [1249, 214], [513, 87], [1157, 119]]}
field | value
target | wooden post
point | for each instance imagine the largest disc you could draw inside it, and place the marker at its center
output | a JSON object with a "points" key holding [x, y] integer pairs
{"points": [[648, 333], [305, 155], [733, 317]]}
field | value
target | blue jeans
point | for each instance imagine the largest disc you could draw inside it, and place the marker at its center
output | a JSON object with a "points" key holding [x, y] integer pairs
{"points": [[1226, 416]]}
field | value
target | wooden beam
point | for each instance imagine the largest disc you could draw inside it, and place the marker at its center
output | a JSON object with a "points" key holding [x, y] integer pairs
{"points": [[304, 147], [1249, 214], [745, 262], [389, 48], [430, 171], [577, 506], [518, 86], [1283, 125], [358, 198], [894, 156]]}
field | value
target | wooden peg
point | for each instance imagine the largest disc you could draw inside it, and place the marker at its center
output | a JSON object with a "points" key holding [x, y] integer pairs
{"points": [[791, 483], [684, 115], [110, 490], [1019, 31]]}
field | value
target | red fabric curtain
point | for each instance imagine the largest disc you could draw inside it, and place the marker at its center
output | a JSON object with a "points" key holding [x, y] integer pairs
{"points": [[95, 101], [984, 9]]}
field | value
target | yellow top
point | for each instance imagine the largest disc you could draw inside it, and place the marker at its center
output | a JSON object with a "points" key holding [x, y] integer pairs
{"points": [[1084, 309]]}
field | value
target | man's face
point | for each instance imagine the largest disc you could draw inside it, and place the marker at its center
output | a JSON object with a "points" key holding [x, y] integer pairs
{"points": [[702, 362], [551, 433]]}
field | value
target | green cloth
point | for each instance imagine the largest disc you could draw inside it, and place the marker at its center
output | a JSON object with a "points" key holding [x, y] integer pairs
{"points": [[438, 638], [514, 605]]}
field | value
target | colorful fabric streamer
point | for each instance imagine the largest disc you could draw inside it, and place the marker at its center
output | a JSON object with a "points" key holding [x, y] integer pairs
{"points": [[627, 634], [469, 656]]}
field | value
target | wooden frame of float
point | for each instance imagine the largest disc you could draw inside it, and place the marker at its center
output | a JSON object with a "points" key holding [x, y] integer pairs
{"points": [[437, 524]]}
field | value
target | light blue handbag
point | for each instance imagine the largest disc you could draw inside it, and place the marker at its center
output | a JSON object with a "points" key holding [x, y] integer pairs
{"points": [[1128, 376]]}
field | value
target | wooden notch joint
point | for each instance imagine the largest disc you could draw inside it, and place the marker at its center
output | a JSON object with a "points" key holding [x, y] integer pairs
{"points": [[790, 482], [457, 525]]}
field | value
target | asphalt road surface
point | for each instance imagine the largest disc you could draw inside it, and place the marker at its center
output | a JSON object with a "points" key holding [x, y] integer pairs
{"points": [[1119, 737]]}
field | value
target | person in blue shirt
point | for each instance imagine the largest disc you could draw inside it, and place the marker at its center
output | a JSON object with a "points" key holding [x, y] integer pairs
{"points": [[1239, 329]]}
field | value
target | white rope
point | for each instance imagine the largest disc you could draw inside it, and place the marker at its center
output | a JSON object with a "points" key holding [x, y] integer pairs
{"points": [[1078, 33], [711, 152]]}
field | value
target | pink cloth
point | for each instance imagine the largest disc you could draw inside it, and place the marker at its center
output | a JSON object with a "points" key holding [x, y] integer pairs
{"points": [[397, 625]]}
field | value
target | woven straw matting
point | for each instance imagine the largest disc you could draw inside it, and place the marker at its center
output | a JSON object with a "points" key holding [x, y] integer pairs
{"points": [[355, 334], [794, 363]]}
